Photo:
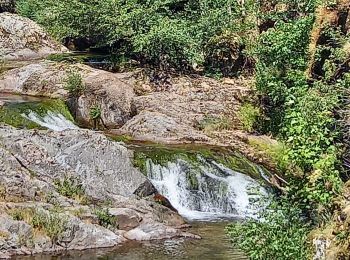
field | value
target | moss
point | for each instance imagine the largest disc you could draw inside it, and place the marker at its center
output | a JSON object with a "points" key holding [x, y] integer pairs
{"points": [[11, 114], [161, 155], [121, 138]]}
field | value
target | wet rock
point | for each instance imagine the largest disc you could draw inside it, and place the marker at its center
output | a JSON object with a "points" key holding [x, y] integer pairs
{"points": [[22, 39], [145, 189], [156, 231]]}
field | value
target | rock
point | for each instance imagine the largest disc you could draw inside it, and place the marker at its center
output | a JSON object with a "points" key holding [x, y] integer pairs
{"points": [[155, 126], [102, 89], [156, 231], [127, 218], [146, 189], [89, 236], [320, 246], [189, 100], [86, 155], [31, 161], [22, 39]]}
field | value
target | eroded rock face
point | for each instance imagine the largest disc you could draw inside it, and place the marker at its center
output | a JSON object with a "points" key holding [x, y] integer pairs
{"points": [[31, 163], [156, 126], [21, 38], [104, 167], [102, 89]]}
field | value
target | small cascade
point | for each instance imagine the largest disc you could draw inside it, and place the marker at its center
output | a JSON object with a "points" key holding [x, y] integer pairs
{"points": [[206, 190], [52, 120]]}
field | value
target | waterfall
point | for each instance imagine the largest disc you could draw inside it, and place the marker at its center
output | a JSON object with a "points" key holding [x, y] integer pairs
{"points": [[52, 120], [206, 190]]}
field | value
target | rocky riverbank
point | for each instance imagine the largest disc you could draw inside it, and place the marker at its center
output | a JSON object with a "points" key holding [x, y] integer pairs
{"points": [[74, 190]]}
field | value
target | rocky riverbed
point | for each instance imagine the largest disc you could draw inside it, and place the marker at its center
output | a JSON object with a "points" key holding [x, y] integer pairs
{"points": [[77, 189]]}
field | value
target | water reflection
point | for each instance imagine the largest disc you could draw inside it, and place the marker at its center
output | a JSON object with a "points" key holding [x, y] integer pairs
{"points": [[214, 246]]}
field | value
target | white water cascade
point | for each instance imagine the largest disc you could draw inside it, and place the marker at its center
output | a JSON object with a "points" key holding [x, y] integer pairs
{"points": [[52, 120], [206, 190]]}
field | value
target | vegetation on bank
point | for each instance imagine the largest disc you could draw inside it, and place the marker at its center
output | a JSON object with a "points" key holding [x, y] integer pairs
{"points": [[300, 53]]}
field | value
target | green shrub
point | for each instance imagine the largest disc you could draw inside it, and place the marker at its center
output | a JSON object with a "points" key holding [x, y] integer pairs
{"points": [[211, 123], [181, 34], [95, 112], [74, 83], [248, 116], [52, 223], [69, 187], [281, 234], [106, 219]]}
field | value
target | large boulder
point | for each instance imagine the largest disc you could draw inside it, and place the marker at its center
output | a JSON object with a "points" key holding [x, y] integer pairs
{"points": [[21, 38], [104, 167], [102, 89]]}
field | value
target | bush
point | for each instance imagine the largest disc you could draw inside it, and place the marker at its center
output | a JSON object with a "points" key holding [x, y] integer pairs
{"points": [[248, 115], [171, 33], [52, 223], [106, 219], [280, 234], [70, 187], [74, 84]]}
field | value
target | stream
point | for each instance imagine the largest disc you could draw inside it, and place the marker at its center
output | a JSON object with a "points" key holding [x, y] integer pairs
{"points": [[205, 190]]}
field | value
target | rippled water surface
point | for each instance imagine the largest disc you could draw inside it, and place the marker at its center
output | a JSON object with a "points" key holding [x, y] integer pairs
{"points": [[214, 245]]}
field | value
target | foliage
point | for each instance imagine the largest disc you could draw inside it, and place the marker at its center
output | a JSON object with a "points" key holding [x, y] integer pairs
{"points": [[74, 83], [70, 187], [280, 234], [52, 223], [210, 123], [95, 112], [248, 115], [175, 33], [106, 219]]}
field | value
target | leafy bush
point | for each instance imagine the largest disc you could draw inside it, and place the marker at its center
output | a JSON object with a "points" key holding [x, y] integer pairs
{"points": [[52, 223], [248, 115], [95, 112], [70, 187], [106, 219], [175, 33], [281, 234], [74, 84]]}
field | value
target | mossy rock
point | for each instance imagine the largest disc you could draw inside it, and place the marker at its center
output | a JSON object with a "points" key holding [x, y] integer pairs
{"points": [[12, 114], [162, 155]]}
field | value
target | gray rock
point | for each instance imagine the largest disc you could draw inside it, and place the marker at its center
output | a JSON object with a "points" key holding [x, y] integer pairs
{"points": [[21, 38], [104, 167], [88, 236], [156, 126], [156, 231], [127, 218]]}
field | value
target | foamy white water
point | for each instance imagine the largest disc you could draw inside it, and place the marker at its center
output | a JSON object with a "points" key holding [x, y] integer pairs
{"points": [[53, 121], [208, 191]]}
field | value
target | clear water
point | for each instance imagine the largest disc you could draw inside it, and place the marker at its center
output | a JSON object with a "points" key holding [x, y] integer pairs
{"points": [[214, 245]]}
